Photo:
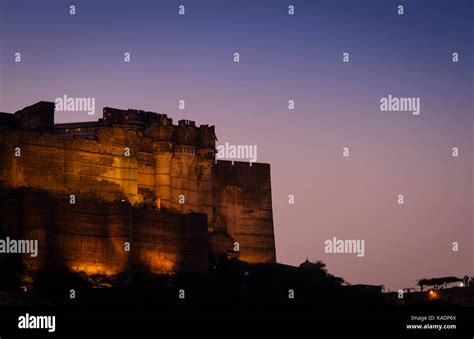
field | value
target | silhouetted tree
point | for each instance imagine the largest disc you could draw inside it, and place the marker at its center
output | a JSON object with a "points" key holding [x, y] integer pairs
{"points": [[422, 283]]}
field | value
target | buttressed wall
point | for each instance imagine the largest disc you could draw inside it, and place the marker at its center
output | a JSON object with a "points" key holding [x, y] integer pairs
{"points": [[141, 158], [243, 201], [93, 237]]}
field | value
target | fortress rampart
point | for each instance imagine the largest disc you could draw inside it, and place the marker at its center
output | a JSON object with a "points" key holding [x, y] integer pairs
{"points": [[140, 159], [92, 237]]}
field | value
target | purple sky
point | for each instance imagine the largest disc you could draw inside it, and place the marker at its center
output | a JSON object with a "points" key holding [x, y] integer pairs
{"points": [[337, 104]]}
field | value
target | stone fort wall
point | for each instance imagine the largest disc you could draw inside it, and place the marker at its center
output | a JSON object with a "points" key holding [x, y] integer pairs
{"points": [[92, 237], [243, 200], [99, 169], [168, 167]]}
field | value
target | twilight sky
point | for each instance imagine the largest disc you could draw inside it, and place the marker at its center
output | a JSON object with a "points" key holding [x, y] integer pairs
{"points": [[286, 57]]}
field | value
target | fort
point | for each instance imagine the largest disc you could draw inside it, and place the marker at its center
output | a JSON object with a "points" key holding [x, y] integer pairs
{"points": [[136, 178]]}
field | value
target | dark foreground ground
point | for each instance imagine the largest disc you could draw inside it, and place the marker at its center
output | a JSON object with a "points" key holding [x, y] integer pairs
{"points": [[234, 299]]}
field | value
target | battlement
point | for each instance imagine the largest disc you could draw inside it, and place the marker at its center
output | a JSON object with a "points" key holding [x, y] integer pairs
{"points": [[40, 118], [243, 164], [143, 119], [185, 123]]}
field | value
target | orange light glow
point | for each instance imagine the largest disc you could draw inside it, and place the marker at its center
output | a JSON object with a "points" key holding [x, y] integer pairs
{"points": [[158, 263], [91, 269]]}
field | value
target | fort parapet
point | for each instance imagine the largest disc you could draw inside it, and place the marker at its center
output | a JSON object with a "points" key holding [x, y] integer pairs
{"points": [[141, 158]]}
